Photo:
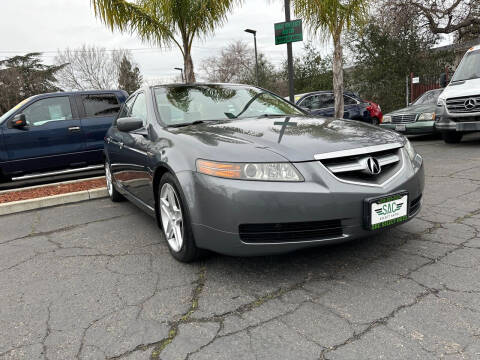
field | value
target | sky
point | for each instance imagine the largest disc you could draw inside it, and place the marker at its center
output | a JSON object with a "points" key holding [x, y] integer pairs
{"points": [[48, 25]]}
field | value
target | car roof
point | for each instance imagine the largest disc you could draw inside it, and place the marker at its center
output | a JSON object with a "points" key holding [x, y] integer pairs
{"points": [[82, 92]]}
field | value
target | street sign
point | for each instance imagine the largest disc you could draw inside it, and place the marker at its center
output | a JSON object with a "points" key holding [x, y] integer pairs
{"points": [[289, 31], [415, 80]]}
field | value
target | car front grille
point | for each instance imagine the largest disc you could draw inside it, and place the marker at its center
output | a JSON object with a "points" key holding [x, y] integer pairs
{"points": [[464, 104], [404, 119], [354, 168], [290, 232]]}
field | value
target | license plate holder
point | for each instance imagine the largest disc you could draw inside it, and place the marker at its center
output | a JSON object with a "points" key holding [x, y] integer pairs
{"points": [[400, 127], [386, 211]]}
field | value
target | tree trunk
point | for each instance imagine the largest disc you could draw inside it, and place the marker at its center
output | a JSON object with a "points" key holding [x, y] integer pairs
{"points": [[188, 68], [338, 77]]}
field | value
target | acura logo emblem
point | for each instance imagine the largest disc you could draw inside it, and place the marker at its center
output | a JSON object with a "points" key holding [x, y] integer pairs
{"points": [[373, 166], [470, 104]]}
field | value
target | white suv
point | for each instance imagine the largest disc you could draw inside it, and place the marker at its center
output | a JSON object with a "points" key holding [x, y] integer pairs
{"points": [[459, 104]]}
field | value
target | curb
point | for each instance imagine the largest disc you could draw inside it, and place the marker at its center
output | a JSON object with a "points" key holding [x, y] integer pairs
{"points": [[48, 201], [6, 191]]}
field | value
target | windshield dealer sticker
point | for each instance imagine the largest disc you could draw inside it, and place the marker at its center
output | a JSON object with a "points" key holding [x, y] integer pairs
{"points": [[389, 211]]}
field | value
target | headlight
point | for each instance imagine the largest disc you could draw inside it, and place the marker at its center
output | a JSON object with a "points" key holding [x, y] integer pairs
{"points": [[250, 171], [410, 150], [387, 119], [426, 117]]}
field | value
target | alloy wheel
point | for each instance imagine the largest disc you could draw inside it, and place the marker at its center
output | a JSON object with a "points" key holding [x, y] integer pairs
{"points": [[172, 217]]}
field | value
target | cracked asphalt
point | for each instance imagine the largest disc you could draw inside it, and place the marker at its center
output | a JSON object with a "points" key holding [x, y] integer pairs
{"points": [[94, 280]]}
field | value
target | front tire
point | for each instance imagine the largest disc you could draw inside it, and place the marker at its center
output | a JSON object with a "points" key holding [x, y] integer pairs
{"points": [[175, 220], [114, 195], [452, 137]]}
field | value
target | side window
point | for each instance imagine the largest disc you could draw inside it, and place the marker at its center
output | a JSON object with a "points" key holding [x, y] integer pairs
{"points": [[306, 103], [327, 100], [48, 110], [100, 105], [316, 103], [139, 109], [311, 102], [348, 100]]}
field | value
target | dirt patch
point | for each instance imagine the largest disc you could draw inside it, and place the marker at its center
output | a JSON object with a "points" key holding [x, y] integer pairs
{"points": [[50, 190]]}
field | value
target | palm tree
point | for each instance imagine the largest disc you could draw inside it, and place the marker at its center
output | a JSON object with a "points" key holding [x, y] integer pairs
{"points": [[331, 18], [166, 22]]}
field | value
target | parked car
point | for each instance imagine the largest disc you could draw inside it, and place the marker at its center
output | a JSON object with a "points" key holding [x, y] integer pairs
{"points": [[375, 112], [54, 133], [416, 119], [322, 103], [459, 104], [238, 170]]}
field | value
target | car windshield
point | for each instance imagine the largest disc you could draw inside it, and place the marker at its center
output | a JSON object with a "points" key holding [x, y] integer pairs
{"points": [[12, 110], [429, 98], [191, 103], [469, 67]]}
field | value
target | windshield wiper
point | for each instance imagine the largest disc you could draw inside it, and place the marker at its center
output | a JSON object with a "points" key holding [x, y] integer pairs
{"points": [[187, 124]]}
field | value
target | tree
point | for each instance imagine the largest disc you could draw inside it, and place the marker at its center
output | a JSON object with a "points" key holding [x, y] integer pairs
{"points": [[233, 63], [312, 71], [384, 56], [331, 18], [166, 22], [442, 16], [129, 78], [89, 67], [25, 76], [236, 63]]}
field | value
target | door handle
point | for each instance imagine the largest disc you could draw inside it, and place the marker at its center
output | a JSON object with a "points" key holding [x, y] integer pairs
{"points": [[120, 144], [74, 128]]}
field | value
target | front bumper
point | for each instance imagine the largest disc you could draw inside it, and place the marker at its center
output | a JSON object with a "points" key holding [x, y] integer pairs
{"points": [[459, 126], [459, 122], [219, 206], [414, 128]]}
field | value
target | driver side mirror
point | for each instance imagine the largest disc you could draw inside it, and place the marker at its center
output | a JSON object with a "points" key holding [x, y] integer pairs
{"points": [[19, 121], [128, 124]]}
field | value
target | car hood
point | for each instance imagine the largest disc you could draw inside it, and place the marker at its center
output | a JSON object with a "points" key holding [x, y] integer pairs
{"points": [[293, 138], [462, 88], [415, 109]]}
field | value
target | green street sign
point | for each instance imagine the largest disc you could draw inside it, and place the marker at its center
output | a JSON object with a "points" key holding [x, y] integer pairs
{"points": [[287, 32]]}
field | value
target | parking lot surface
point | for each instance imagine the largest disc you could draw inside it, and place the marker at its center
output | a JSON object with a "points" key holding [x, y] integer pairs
{"points": [[95, 280]]}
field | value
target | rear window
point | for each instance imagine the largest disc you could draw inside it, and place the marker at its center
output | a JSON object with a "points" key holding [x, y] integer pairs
{"points": [[100, 105]]}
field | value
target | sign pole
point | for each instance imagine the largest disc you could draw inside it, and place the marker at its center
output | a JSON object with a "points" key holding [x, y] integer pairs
{"points": [[291, 91]]}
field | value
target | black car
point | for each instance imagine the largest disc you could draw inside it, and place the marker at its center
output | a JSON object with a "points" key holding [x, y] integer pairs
{"points": [[56, 133], [322, 103]]}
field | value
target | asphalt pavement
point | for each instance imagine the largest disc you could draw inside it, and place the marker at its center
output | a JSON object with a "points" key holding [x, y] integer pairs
{"points": [[95, 280]]}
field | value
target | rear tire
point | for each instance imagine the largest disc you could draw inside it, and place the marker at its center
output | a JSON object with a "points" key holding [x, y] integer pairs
{"points": [[175, 220], [114, 195], [374, 121], [452, 137]]}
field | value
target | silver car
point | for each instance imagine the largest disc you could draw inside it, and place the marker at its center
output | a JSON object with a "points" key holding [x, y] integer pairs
{"points": [[238, 170]]}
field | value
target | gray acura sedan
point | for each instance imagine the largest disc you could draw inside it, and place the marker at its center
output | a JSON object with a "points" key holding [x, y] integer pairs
{"points": [[238, 170]]}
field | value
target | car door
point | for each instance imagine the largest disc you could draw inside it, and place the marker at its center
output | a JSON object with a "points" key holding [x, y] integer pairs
{"points": [[52, 138], [137, 145], [351, 108], [97, 112], [325, 105], [131, 165]]}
